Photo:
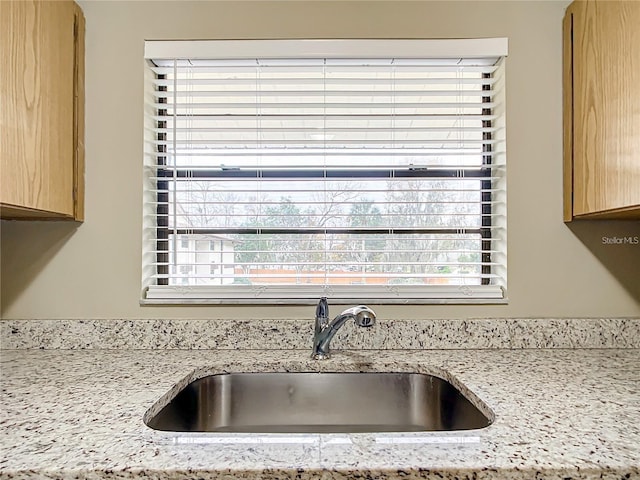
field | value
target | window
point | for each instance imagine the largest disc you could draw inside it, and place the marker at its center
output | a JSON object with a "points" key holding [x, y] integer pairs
{"points": [[358, 170]]}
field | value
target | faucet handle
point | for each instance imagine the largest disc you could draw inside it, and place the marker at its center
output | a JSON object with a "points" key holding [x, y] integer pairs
{"points": [[322, 310]]}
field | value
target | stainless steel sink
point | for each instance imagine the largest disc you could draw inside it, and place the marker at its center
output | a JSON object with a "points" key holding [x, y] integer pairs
{"points": [[318, 403]]}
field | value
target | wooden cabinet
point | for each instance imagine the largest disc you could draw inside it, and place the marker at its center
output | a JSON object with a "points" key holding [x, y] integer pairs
{"points": [[602, 109], [41, 110]]}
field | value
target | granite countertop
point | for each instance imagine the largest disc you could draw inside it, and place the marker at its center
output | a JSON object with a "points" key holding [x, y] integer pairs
{"points": [[558, 414]]}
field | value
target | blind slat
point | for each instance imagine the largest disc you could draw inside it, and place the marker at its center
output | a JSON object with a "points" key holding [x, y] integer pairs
{"points": [[346, 129], [465, 92], [301, 105], [322, 68], [302, 81], [330, 117]]}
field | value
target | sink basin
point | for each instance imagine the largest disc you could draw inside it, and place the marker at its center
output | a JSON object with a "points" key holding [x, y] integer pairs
{"points": [[318, 403]]}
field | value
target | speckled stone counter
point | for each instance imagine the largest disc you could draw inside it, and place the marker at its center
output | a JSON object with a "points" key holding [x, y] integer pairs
{"points": [[558, 414], [278, 334]]}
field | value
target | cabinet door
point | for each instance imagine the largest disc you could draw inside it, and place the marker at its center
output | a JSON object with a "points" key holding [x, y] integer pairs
{"points": [[605, 102], [37, 83]]}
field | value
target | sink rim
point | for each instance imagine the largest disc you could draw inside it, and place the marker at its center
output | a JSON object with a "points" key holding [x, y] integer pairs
{"points": [[202, 372]]}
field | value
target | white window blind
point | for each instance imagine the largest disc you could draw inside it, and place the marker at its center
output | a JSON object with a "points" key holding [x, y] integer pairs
{"points": [[285, 177]]}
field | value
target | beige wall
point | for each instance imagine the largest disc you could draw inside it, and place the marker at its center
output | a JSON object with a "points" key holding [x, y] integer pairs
{"points": [[58, 270]]}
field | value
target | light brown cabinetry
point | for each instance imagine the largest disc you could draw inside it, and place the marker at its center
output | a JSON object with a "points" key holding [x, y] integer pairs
{"points": [[41, 110], [602, 109]]}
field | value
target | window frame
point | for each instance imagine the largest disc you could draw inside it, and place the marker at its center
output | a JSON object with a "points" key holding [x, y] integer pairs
{"points": [[468, 293]]}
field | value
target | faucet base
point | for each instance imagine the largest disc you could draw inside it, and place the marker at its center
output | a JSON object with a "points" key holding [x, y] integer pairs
{"points": [[320, 356]]}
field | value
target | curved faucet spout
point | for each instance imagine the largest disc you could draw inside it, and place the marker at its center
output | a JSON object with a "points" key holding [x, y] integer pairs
{"points": [[363, 315], [325, 330]]}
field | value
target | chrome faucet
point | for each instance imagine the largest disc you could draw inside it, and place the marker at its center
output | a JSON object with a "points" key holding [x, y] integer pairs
{"points": [[325, 329]]}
